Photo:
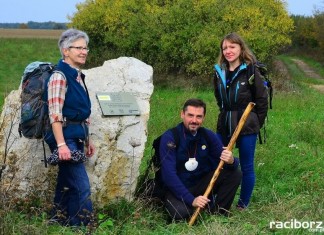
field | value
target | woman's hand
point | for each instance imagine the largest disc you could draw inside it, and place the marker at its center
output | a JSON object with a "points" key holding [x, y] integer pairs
{"points": [[64, 153], [90, 150]]}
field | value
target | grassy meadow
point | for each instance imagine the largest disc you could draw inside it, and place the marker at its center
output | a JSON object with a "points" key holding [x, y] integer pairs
{"points": [[30, 33], [289, 166], [16, 54]]}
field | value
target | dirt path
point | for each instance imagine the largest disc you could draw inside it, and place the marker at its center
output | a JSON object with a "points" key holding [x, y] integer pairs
{"points": [[307, 70], [310, 73]]}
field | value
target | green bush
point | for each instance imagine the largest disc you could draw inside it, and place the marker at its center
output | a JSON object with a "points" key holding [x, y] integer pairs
{"points": [[180, 35]]}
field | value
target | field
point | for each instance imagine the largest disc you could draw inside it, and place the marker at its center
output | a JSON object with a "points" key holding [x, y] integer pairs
{"points": [[289, 166], [30, 33]]}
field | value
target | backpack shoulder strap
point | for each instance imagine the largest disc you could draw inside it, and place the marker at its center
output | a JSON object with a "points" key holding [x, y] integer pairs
{"points": [[55, 69], [176, 136], [156, 145], [250, 73]]}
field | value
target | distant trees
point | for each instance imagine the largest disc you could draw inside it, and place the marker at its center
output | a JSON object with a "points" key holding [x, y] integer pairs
{"points": [[181, 35], [308, 34], [319, 30], [46, 25], [23, 26], [10, 25], [34, 25], [304, 34]]}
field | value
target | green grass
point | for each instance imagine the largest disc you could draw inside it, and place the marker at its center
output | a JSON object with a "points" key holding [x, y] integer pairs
{"points": [[16, 54], [289, 166]]}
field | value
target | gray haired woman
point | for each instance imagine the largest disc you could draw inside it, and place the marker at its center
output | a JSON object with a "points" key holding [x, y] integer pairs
{"points": [[69, 111]]}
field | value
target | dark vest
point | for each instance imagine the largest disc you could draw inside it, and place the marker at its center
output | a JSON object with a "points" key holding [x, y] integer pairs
{"points": [[76, 108]]}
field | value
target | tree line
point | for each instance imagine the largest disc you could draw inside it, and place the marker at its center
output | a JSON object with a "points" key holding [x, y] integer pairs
{"points": [[308, 34], [34, 25]]}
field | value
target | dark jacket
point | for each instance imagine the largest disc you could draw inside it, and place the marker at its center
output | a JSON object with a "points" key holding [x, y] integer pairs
{"points": [[175, 176], [233, 101], [76, 108]]}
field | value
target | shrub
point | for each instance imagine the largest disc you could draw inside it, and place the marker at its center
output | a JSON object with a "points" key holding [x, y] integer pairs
{"points": [[181, 35]]}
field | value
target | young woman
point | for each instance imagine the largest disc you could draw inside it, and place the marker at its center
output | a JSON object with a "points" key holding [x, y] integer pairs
{"points": [[234, 89]]}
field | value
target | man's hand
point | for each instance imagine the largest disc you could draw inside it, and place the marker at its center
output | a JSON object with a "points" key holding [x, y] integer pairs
{"points": [[227, 156], [200, 201]]}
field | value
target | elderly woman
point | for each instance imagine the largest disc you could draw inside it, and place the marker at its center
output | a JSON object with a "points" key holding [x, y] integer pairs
{"points": [[69, 108]]}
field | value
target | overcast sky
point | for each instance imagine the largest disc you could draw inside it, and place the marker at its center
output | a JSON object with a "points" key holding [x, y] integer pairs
{"points": [[22, 11]]}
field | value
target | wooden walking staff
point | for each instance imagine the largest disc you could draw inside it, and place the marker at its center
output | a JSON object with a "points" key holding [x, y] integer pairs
{"points": [[229, 147]]}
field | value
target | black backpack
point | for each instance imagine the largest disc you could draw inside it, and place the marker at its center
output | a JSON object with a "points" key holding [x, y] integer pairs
{"points": [[154, 187], [266, 80], [267, 83], [34, 115], [156, 158]]}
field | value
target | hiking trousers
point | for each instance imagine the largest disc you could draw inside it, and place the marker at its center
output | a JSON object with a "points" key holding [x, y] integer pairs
{"points": [[221, 197], [72, 203]]}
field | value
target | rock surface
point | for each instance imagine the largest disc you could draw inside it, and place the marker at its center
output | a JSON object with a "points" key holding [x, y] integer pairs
{"points": [[119, 140]]}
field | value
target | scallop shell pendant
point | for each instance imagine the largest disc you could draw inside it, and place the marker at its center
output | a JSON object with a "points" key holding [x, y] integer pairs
{"points": [[191, 164]]}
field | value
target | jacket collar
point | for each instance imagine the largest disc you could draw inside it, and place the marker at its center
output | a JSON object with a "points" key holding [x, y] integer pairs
{"points": [[68, 70]]}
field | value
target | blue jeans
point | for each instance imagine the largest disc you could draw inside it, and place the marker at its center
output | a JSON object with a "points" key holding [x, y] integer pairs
{"points": [[246, 145], [72, 193]]}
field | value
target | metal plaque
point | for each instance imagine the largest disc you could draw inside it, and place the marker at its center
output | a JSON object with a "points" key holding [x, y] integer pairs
{"points": [[117, 103]]}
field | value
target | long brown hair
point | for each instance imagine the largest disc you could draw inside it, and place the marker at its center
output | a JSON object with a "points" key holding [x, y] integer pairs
{"points": [[246, 54]]}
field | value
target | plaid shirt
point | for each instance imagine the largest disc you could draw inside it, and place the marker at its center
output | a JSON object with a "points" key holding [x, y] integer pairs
{"points": [[56, 95]]}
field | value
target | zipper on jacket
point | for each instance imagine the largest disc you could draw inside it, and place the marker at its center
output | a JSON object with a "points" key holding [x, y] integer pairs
{"points": [[236, 91]]}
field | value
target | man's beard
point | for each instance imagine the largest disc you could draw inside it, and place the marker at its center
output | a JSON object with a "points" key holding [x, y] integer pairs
{"points": [[193, 127]]}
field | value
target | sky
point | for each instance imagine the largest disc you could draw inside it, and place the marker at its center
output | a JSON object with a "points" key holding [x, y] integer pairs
{"points": [[304, 7], [22, 11]]}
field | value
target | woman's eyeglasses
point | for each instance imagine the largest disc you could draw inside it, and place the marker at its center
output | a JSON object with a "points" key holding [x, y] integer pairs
{"points": [[81, 48]]}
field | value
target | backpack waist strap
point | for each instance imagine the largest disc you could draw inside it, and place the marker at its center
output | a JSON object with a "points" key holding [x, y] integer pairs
{"points": [[67, 122]]}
